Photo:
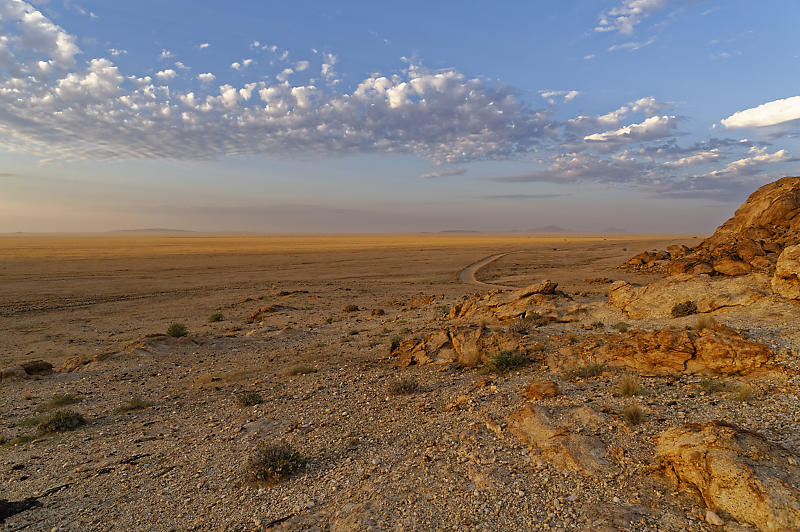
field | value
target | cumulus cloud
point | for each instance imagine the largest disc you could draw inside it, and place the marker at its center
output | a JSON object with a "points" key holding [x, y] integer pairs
{"points": [[93, 110], [697, 158], [768, 114], [443, 173], [240, 65], [550, 96], [301, 66], [585, 168], [648, 106], [652, 128], [117, 52], [165, 54], [624, 17], [166, 75], [34, 36], [204, 45], [759, 156]]}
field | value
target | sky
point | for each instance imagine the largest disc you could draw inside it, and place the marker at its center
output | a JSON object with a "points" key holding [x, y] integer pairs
{"points": [[638, 115]]}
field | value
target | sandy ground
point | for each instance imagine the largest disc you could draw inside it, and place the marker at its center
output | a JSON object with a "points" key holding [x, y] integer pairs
{"points": [[376, 461]]}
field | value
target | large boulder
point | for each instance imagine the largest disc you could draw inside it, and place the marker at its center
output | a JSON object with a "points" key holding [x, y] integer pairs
{"points": [[468, 346], [566, 442], [709, 294], [718, 350], [736, 472], [760, 229], [786, 282]]}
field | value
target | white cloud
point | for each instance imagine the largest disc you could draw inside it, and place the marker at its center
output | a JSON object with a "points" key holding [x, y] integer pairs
{"points": [[36, 36], [116, 52], [241, 65], [648, 106], [697, 158], [550, 96], [301, 65], [165, 54], [443, 173], [652, 128], [632, 45], [628, 14], [181, 66], [759, 157], [327, 70], [204, 45], [100, 81], [768, 114], [206, 77], [284, 74], [166, 75]]}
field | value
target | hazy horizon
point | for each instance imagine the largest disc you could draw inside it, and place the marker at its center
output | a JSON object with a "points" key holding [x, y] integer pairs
{"points": [[651, 116]]}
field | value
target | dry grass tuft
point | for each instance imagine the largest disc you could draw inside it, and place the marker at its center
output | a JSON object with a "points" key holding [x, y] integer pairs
{"points": [[403, 386], [628, 386], [271, 463], [705, 322], [505, 361], [217, 316], [687, 308], [586, 372], [249, 398], [633, 414], [300, 369], [58, 400], [176, 330], [134, 403], [61, 421]]}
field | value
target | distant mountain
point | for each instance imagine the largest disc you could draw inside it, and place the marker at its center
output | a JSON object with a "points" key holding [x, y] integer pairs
{"points": [[151, 231], [459, 231], [550, 229]]}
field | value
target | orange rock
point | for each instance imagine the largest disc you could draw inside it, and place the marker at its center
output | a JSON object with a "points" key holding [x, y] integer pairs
{"points": [[541, 390]]}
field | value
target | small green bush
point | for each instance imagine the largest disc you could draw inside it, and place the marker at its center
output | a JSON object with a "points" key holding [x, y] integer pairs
{"points": [[620, 326], [687, 308], [61, 421], [58, 400], [249, 398], [272, 462], [176, 330], [217, 316], [403, 386], [505, 361], [586, 372], [134, 403]]}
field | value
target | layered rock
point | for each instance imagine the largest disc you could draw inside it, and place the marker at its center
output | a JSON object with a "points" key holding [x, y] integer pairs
{"points": [[718, 350], [542, 301], [750, 241], [567, 442], [786, 282], [469, 346], [709, 294], [737, 473]]}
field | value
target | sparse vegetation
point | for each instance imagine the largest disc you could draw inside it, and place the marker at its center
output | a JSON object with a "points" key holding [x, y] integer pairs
{"points": [[705, 322], [249, 398], [534, 319], [620, 326], [300, 369], [586, 372], [395, 342], [744, 392], [572, 338], [61, 421], [134, 403], [505, 361], [19, 440], [519, 326], [217, 316], [176, 330], [58, 400], [273, 462], [538, 347], [711, 385], [687, 308], [633, 414], [629, 386], [403, 386]]}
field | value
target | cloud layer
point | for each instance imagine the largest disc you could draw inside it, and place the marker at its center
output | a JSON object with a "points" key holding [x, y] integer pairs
{"points": [[768, 114]]}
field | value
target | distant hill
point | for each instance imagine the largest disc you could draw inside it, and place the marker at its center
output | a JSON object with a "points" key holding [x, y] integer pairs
{"points": [[550, 229], [459, 231], [151, 231]]}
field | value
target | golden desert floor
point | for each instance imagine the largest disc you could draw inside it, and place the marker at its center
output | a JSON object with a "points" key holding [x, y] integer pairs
{"points": [[376, 461]]}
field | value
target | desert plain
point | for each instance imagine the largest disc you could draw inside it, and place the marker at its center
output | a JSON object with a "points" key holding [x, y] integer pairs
{"points": [[352, 350]]}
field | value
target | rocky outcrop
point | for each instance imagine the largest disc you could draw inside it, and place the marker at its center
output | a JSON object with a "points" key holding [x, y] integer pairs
{"points": [[786, 281], [469, 346], [26, 370], [150, 344], [567, 443], [718, 350], [737, 473], [541, 390], [709, 294], [541, 301], [748, 242]]}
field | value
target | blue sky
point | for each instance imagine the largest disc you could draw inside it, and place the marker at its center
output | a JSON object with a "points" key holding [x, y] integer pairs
{"points": [[645, 115]]}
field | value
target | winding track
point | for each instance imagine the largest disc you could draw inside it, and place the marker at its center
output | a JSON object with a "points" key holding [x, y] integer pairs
{"points": [[467, 275]]}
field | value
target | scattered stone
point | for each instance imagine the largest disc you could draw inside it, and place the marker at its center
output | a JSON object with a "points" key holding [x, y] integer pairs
{"points": [[468, 346], [378, 312], [735, 471], [541, 390], [38, 367]]}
